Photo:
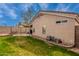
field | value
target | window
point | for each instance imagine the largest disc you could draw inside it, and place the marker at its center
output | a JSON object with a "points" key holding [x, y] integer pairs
{"points": [[44, 30], [58, 22], [64, 21]]}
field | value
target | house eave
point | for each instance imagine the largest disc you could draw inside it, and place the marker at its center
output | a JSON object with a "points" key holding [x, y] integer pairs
{"points": [[76, 14]]}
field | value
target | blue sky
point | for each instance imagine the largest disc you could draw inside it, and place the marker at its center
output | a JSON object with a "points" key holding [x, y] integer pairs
{"points": [[10, 13]]}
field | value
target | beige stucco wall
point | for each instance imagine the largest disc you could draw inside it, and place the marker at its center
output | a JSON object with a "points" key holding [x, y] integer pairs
{"points": [[19, 29], [6, 30], [64, 31]]}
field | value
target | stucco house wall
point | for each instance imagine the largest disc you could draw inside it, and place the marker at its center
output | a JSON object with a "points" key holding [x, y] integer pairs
{"points": [[64, 31]]}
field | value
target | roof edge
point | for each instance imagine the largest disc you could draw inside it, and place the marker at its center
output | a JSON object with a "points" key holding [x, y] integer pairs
{"points": [[53, 12], [58, 12]]}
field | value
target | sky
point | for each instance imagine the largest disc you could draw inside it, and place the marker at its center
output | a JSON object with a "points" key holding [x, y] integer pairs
{"points": [[11, 13]]}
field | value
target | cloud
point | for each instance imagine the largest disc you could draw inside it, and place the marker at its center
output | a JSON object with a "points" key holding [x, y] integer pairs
{"points": [[63, 7], [3, 22], [76, 7], [1, 15], [43, 6], [8, 11], [36, 7], [25, 6], [59, 6], [12, 14], [0, 11]]}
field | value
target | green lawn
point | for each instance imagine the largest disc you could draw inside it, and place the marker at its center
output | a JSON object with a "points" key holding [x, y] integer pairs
{"points": [[28, 46]]}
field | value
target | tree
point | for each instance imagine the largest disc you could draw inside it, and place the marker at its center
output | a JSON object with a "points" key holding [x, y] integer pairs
{"points": [[19, 24], [27, 16]]}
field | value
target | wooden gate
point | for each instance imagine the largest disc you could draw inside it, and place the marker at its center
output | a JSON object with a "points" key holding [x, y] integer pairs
{"points": [[77, 36]]}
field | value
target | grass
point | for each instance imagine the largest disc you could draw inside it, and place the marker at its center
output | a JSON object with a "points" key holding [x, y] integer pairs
{"points": [[29, 46]]}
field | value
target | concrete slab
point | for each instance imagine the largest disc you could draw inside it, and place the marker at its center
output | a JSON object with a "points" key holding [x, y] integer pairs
{"points": [[76, 50]]}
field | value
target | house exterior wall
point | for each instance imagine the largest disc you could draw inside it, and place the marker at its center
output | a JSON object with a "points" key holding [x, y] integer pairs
{"points": [[77, 36], [64, 31]]}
